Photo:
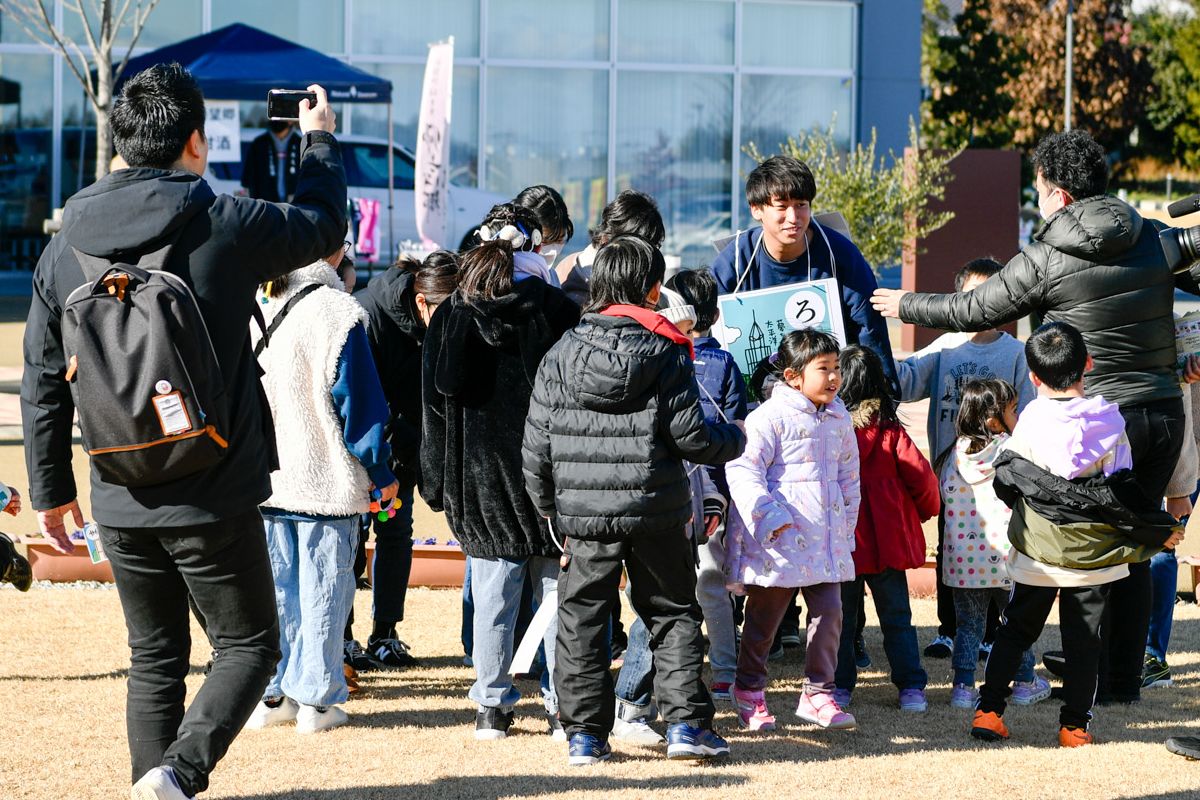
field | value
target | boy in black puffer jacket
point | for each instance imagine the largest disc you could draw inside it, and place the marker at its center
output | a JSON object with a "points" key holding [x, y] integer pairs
{"points": [[614, 414]]}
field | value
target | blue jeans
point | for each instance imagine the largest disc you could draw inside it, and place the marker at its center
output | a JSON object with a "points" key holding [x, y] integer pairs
{"points": [[466, 635], [312, 562], [393, 561], [890, 592], [971, 610], [635, 681], [496, 585], [1164, 581]]}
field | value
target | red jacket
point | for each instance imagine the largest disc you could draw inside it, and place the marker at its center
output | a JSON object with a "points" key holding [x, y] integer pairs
{"points": [[899, 491]]}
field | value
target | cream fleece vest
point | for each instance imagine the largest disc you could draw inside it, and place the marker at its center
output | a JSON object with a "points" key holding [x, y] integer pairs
{"points": [[317, 474]]}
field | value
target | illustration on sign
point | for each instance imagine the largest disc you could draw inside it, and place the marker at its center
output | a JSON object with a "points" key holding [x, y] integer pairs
{"points": [[753, 323]]}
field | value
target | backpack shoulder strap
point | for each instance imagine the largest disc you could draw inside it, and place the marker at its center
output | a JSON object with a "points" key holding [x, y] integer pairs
{"points": [[279, 318]]}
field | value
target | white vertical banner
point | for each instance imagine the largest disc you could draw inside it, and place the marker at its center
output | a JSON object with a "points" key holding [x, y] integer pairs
{"points": [[433, 145], [223, 129]]}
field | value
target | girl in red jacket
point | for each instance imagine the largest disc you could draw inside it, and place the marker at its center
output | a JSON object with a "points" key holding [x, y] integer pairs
{"points": [[899, 491]]}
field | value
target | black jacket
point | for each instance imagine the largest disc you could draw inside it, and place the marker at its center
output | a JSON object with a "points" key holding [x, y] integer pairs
{"points": [[1082, 523], [395, 331], [228, 246], [479, 363], [1097, 265], [615, 413], [258, 173]]}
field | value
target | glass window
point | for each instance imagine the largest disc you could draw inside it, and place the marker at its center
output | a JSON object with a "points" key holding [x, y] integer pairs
{"points": [[674, 142], [316, 25], [371, 120], [26, 106], [798, 35], [168, 23], [406, 27], [367, 166], [669, 31], [775, 107], [551, 127], [575, 30], [11, 31]]}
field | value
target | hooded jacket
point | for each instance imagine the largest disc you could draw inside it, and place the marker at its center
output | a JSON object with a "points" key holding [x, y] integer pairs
{"points": [[615, 413], [1097, 265], [795, 493], [395, 332], [976, 547], [226, 247], [479, 364], [899, 492], [1084, 523], [1074, 440]]}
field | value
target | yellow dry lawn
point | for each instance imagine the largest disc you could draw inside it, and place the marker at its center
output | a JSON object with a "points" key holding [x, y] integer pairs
{"points": [[62, 688]]}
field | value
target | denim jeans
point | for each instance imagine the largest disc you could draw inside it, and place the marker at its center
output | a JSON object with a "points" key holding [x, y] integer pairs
{"points": [[496, 585], [466, 632], [890, 592], [971, 608], [393, 561], [717, 607], [1164, 579], [635, 680], [225, 568], [312, 561]]}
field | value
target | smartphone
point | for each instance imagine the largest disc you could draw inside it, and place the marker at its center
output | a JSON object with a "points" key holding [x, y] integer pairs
{"points": [[285, 103]]}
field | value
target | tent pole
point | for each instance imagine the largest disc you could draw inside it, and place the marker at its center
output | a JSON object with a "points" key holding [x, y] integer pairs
{"points": [[391, 192]]}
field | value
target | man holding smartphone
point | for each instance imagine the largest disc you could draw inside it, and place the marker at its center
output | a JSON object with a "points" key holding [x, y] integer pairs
{"points": [[200, 535]]}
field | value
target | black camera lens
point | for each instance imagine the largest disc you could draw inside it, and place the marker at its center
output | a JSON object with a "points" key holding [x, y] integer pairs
{"points": [[1181, 246]]}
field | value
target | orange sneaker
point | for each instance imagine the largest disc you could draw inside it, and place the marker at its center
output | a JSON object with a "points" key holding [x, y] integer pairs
{"points": [[1074, 737], [989, 726]]}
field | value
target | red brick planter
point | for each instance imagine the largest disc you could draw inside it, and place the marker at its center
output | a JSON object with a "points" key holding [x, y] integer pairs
{"points": [[434, 565]]}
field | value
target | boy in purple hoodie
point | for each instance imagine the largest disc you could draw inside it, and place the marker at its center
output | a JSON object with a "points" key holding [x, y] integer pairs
{"points": [[1065, 473]]}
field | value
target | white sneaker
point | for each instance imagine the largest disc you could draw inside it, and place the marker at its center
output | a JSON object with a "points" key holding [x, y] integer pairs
{"points": [[264, 716], [311, 720], [158, 784], [636, 732]]}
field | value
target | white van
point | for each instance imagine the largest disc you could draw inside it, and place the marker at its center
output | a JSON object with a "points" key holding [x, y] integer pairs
{"points": [[365, 159]]}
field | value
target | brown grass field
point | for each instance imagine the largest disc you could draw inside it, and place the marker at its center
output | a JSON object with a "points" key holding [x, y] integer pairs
{"points": [[62, 685]]}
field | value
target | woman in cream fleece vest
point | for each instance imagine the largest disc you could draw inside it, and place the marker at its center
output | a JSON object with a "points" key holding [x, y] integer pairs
{"points": [[329, 413]]}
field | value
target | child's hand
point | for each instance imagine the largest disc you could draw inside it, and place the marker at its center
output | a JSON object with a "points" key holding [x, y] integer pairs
{"points": [[14, 503], [776, 534], [711, 523], [1174, 539]]}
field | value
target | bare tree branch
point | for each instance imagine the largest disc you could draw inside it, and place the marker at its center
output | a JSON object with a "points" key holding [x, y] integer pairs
{"points": [[87, 28], [51, 38], [120, 18], [23, 14], [139, 24]]}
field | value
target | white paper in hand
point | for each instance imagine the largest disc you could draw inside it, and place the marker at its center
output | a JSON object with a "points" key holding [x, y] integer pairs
{"points": [[522, 660]]}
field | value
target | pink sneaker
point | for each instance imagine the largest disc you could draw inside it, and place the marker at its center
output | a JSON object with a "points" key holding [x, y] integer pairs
{"points": [[820, 708], [752, 710]]}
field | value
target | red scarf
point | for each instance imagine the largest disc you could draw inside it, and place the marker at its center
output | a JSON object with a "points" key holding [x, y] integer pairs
{"points": [[653, 322]]}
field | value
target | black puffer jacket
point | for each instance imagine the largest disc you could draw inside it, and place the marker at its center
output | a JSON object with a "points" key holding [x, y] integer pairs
{"points": [[614, 414], [395, 332], [479, 363], [1098, 266]]}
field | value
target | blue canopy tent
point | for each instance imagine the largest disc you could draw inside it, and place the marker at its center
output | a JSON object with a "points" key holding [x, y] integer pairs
{"points": [[239, 62]]}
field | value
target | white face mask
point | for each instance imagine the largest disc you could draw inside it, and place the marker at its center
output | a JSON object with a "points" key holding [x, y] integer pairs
{"points": [[550, 251]]}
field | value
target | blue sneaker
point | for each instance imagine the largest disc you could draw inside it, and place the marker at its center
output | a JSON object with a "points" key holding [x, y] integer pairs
{"points": [[684, 741], [585, 749]]}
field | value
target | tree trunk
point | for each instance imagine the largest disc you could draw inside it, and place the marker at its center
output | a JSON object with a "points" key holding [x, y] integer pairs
{"points": [[104, 91]]}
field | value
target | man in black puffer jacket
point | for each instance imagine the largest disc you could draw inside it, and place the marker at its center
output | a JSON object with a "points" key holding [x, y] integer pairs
{"points": [[1097, 265], [615, 411]]}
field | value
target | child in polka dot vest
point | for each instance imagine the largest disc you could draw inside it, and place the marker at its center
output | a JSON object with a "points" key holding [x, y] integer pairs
{"points": [[976, 546]]}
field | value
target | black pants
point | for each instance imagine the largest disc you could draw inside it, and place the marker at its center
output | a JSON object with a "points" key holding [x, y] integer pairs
{"points": [[1079, 613], [947, 616], [1155, 432], [662, 588], [225, 568]]}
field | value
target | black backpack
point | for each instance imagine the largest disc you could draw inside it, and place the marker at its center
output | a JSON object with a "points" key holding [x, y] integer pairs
{"points": [[143, 372]]}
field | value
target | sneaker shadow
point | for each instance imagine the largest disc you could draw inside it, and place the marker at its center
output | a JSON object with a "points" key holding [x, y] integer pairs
{"points": [[482, 787]]}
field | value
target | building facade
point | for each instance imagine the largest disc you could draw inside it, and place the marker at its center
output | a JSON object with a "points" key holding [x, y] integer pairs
{"points": [[589, 96]]}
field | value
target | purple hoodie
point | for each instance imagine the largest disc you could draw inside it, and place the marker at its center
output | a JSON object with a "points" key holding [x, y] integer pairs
{"points": [[1083, 435]]}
